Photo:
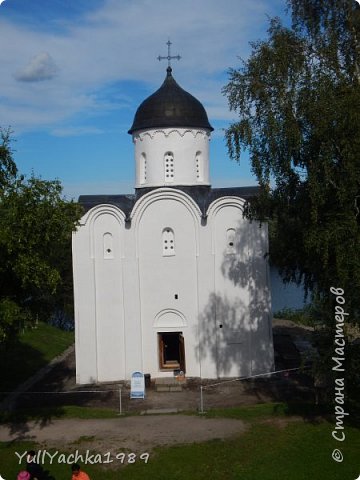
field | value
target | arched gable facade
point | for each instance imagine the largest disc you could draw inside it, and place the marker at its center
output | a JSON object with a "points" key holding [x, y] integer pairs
{"points": [[98, 248], [163, 290], [166, 225]]}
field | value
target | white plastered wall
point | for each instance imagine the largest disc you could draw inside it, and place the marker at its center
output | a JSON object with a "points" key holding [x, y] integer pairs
{"points": [[98, 254], [260, 300], [235, 321]]}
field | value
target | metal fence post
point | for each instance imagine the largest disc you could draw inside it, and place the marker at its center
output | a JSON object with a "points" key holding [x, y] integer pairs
{"points": [[120, 402], [201, 400]]}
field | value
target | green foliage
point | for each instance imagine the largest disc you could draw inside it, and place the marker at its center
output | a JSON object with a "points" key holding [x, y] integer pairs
{"points": [[298, 101], [8, 169], [35, 245], [12, 318]]}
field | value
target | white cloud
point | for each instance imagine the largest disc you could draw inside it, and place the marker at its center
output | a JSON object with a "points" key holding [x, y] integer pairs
{"points": [[120, 42], [41, 67]]}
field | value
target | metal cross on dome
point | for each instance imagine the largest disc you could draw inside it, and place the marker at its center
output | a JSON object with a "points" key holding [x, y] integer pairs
{"points": [[169, 57]]}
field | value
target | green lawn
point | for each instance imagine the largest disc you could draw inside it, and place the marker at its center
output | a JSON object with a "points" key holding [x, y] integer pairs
{"points": [[298, 451], [33, 350]]}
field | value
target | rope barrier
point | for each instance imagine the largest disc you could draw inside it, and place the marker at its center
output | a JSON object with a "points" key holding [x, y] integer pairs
{"points": [[203, 387], [254, 376], [119, 391], [67, 391]]}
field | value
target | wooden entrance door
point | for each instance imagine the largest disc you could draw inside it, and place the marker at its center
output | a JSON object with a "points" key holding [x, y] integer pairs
{"points": [[171, 351]]}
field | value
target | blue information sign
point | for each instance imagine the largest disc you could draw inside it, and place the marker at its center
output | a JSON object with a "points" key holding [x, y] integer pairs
{"points": [[137, 385]]}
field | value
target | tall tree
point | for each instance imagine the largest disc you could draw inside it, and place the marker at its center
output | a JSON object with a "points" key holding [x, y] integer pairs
{"points": [[35, 245], [298, 102]]}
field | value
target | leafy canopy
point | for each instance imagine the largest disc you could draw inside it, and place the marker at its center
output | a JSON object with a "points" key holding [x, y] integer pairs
{"points": [[297, 98], [35, 245]]}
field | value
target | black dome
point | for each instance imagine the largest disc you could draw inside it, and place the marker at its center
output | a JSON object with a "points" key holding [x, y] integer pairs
{"points": [[170, 106]]}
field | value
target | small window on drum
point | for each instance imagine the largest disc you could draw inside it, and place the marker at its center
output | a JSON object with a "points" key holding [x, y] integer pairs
{"points": [[168, 242], [143, 168], [230, 241], [199, 167]]}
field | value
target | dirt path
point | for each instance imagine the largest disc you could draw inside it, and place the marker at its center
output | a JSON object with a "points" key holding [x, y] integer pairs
{"points": [[136, 434]]}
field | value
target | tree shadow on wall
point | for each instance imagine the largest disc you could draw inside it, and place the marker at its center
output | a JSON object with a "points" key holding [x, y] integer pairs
{"points": [[235, 324]]}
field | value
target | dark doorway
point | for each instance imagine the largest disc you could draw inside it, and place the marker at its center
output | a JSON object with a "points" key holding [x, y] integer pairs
{"points": [[171, 351]]}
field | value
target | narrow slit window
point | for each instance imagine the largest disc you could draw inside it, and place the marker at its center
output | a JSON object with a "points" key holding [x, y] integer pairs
{"points": [[169, 167], [168, 242], [108, 246], [230, 241]]}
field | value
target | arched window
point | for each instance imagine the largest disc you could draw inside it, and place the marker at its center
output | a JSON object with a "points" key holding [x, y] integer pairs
{"points": [[230, 241], [108, 245], [142, 168], [199, 167], [169, 166], [168, 242]]}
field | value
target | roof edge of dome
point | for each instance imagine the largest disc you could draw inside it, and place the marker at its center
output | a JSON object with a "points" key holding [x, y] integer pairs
{"points": [[155, 126]]}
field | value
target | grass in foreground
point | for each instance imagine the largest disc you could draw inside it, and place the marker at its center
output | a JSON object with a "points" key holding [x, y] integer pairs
{"points": [[299, 451], [262, 411], [34, 349]]}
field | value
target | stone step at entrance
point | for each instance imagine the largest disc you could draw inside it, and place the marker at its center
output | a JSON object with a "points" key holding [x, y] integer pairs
{"points": [[169, 384]]}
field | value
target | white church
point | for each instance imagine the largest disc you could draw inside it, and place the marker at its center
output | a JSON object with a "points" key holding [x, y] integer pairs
{"points": [[172, 278]]}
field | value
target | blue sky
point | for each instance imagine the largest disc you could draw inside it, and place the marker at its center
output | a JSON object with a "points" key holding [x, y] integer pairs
{"points": [[73, 73]]}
